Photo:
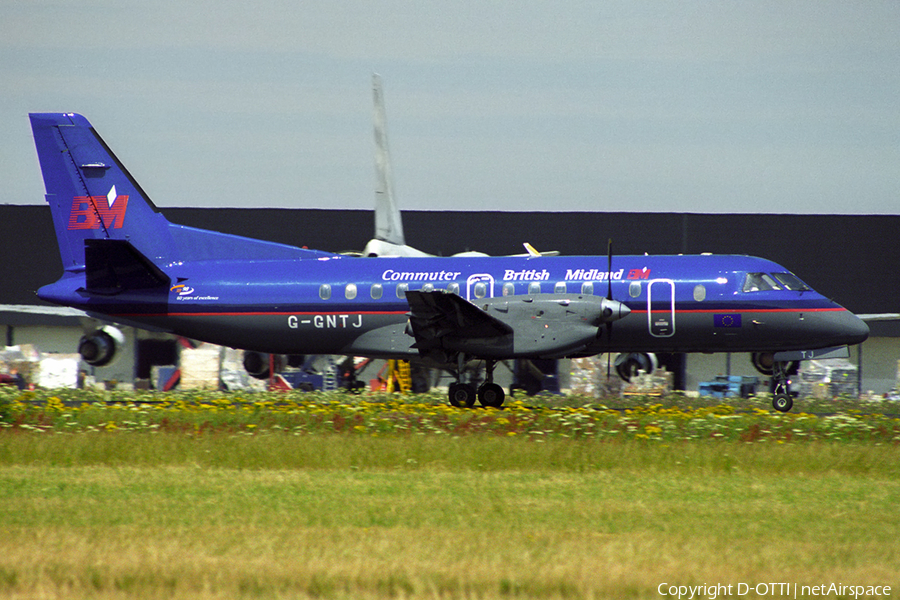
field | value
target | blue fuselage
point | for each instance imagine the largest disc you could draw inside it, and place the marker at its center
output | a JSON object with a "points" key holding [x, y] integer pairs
{"points": [[334, 304]]}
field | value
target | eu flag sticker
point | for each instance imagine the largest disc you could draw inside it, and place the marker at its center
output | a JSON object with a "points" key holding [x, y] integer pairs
{"points": [[726, 320]]}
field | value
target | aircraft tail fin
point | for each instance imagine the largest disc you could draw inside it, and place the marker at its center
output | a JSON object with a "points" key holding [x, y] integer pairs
{"points": [[388, 223], [91, 194], [93, 197]]}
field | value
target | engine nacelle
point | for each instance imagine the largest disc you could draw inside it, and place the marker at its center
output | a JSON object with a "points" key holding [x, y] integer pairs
{"points": [[628, 365], [764, 362], [257, 364], [100, 347]]}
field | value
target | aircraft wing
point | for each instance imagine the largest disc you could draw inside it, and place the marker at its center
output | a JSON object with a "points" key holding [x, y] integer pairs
{"points": [[443, 321]]}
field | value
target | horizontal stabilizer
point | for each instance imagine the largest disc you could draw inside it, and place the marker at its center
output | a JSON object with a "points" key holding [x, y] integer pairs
{"points": [[115, 266]]}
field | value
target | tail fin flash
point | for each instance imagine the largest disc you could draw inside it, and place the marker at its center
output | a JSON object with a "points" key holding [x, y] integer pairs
{"points": [[91, 195]]}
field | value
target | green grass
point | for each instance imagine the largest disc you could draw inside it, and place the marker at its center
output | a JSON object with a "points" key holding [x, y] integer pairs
{"points": [[671, 419], [208, 495], [168, 515], [477, 452]]}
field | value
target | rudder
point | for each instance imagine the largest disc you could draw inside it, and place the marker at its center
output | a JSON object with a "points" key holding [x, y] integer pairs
{"points": [[91, 194]]}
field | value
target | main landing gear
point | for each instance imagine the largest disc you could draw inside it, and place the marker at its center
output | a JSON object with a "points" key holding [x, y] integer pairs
{"points": [[489, 394]]}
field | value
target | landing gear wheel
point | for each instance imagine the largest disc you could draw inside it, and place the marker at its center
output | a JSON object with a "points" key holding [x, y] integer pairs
{"points": [[491, 395], [782, 402], [462, 395]]}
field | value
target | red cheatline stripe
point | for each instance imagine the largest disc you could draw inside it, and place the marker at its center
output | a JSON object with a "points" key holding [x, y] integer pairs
{"points": [[723, 311], [258, 314]]}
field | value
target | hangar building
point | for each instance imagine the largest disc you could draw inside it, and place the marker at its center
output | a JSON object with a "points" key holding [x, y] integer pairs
{"points": [[854, 259]]}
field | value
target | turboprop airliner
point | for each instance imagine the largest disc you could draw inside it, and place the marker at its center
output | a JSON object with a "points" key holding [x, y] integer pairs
{"points": [[125, 263]]}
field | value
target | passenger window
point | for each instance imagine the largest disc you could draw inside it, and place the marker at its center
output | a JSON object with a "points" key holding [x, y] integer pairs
{"points": [[760, 282], [401, 290], [509, 289], [324, 291], [453, 288], [560, 287], [428, 287], [634, 289], [700, 292], [587, 288], [350, 291]]}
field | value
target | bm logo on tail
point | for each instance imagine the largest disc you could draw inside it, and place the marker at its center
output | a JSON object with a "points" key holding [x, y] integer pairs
{"points": [[89, 212]]}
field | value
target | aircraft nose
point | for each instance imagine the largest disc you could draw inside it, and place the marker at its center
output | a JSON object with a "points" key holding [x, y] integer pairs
{"points": [[848, 328], [860, 331]]}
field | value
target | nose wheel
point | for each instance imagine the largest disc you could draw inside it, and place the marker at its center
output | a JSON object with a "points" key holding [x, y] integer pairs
{"points": [[782, 400]]}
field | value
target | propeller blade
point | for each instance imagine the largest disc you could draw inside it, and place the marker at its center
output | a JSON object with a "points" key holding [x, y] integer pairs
{"points": [[608, 353], [608, 297], [609, 270]]}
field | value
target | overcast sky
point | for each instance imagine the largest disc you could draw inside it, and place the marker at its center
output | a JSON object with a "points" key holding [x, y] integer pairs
{"points": [[689, 106]]}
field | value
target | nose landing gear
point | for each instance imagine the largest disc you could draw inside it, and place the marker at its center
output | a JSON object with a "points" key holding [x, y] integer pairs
{"points": [[780, 371], [782, 400]]}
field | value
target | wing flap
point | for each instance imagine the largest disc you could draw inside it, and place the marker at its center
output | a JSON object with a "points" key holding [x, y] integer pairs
{"points": [[441, 320]]}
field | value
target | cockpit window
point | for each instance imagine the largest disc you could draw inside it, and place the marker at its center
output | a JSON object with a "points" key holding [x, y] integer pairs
{"points": [[760, 282], [791, 282]]}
